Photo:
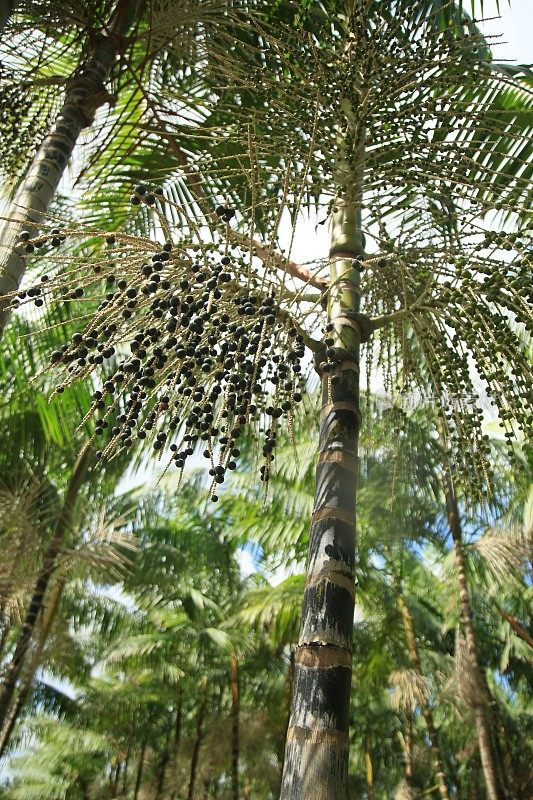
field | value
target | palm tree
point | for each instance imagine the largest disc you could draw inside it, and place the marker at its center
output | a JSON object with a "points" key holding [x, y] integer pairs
{"points": [[86, 92], [428, 714], [151, 661], [379, 143], [50, 484], [132, 51], [481, 696]]}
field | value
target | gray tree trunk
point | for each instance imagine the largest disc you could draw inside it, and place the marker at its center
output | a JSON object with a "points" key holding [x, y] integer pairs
{"points": [[86, 92], [316, 754], [414, 655], [481, 714], [235, 725]]}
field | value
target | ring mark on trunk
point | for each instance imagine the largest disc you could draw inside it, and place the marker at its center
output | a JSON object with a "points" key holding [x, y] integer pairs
{"points": [[307, 735], [340, 406], [338, 578], [323, 657], [345, 459], [332, 512], [351, 323]]}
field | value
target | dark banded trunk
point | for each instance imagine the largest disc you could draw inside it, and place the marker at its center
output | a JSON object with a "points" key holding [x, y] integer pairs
{"points": [[16, 665], [86, 92], [316, 754], [235, 723], [414, 656], [493, 782], [288, 702]]}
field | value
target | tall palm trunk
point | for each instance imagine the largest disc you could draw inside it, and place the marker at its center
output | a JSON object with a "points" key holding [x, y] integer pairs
{"points": [[177, 741], [116, 778], [140, 770], [235, 721], [408, 749], [197, 740], [481, 715], [86, 92], [5, 633], [126, 770], [35, 607], [162, 768], [426, 708], [47, 620], [316, 754]]}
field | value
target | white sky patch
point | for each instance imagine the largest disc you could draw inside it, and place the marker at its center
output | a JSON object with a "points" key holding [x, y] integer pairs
{"points": [[246, 562], [60, 684], [283, 572]]}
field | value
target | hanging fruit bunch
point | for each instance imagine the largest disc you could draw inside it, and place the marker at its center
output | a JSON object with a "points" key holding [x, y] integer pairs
{"points": [[192, 347]]}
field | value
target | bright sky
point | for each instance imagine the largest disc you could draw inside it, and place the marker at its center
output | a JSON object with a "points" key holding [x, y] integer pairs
{"points": [[515, 27]]}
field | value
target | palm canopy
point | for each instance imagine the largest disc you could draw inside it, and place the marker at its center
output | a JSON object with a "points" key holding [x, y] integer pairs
{"points": [[429, 125]]}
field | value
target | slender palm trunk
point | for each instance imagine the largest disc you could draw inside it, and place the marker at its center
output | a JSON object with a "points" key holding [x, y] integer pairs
{"points": [[316, 754], [162, 768], [235, 721], [35, 607], [4, 636], [197, 741], [408, 749], [177, 741], [140, 770], [6, 9], [86, 92], [126, 770], [426, 709], [481, 715], [116, 777], [26, 683], [47, 619]]}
